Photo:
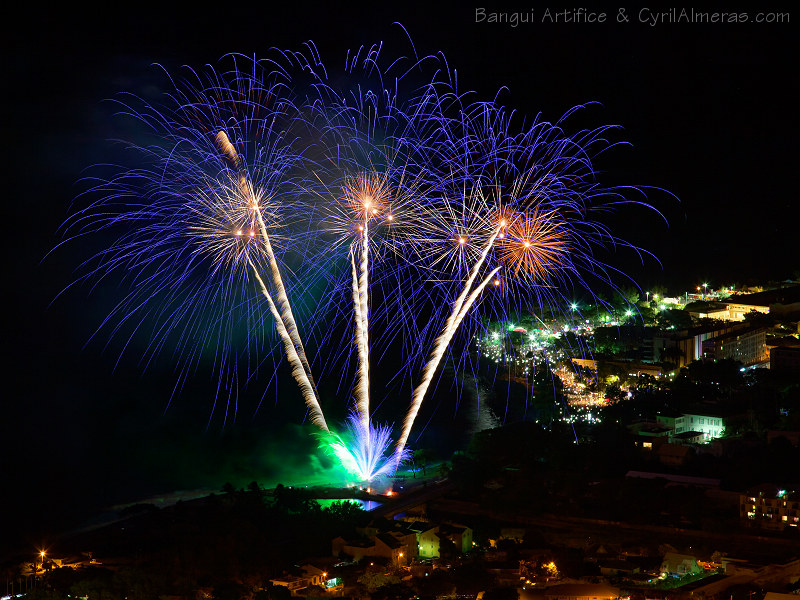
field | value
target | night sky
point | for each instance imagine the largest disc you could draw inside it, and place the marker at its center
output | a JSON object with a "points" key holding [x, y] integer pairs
{"points": [[710, 111]]}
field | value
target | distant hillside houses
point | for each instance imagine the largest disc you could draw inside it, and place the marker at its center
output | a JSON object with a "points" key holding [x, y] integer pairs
{"points": [[401, 542]]}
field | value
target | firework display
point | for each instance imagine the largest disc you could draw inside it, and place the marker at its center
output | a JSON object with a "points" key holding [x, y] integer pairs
{"points": [[402, 202]]}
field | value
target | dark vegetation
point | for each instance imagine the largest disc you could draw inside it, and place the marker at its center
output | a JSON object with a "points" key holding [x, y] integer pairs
{"points": [[226, 544]]}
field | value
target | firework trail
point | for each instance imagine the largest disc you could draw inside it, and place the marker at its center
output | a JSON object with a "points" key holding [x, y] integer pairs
{"points": [[360, 310], [284, 320], [460, 309]]}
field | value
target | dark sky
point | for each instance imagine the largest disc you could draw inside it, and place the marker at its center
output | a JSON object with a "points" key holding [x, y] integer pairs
{"points": [[710, 110]]}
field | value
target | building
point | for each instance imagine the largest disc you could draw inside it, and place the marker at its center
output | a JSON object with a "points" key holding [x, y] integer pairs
{"points": [[581, 591], [697, 427], [617, 568], [403, 541], [769, 507], [785, 359], [649, 435], [391, 547], [678, 565], [780, 302], [311, 576], [714, 311], [355, 549], [461, 536], [690, 342], [673, 455], [427, 538], [291, 582], [711, 426], [749, 347]]}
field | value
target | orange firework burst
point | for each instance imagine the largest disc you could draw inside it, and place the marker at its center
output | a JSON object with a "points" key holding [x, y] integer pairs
{"points": [[534, 244]]}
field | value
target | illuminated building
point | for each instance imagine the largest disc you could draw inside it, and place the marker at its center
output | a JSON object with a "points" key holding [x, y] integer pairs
{"points": [[690, 341], [748, 347], [311, 576], [737, 341], [427, 538], [710, 426], [696, 427], [778, 302], [678, 565], [770, 507]]}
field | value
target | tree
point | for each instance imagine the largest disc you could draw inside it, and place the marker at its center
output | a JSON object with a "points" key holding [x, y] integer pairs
{"points": [[346, 514], [229, 590], [373, 581], [98, 585], [472, 578], [671, 317], [438, 583], [276, 592], [421, 459]]}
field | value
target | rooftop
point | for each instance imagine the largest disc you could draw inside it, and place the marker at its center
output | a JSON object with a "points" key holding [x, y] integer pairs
{"points": [[786, 295]]}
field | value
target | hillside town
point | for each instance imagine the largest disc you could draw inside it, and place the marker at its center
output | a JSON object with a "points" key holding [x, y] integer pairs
{"points": [[659, 461]]}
